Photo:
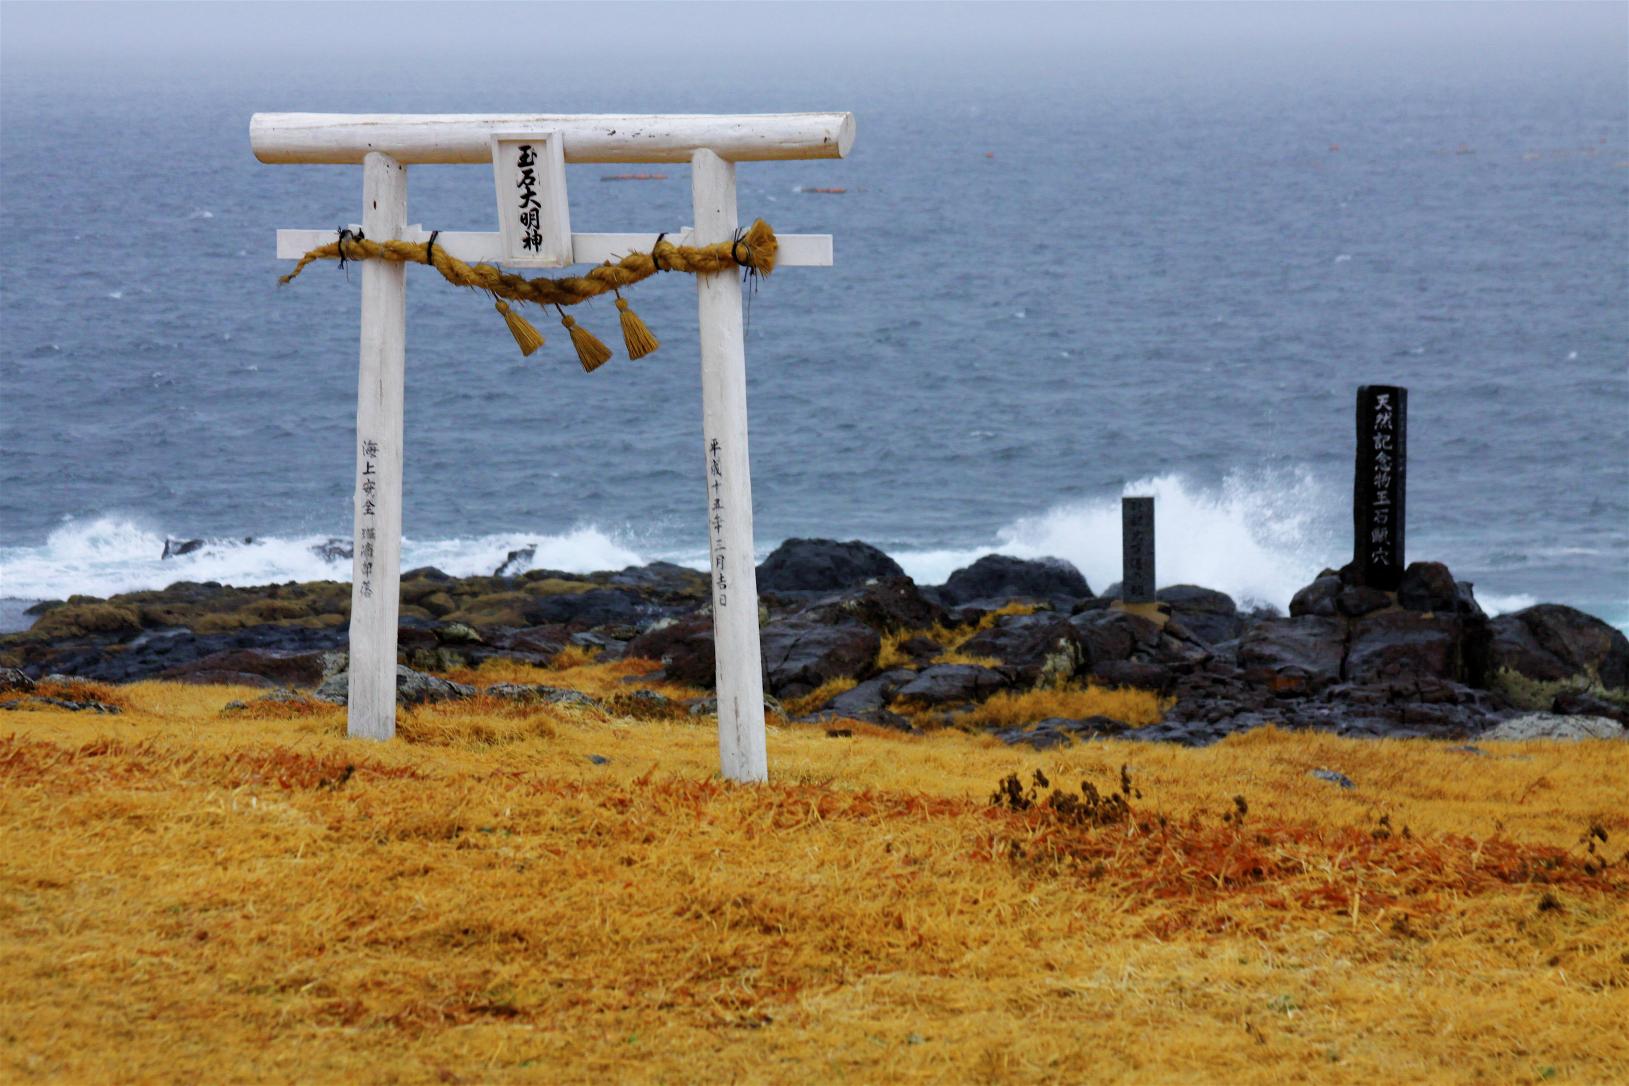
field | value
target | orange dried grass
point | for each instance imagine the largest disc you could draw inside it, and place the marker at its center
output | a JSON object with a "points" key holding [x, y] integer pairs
{"points": [[185, 898]]}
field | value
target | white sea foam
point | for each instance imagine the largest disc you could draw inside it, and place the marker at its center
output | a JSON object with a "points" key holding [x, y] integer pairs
{"points": [[1256, 537], [114, 554], [1495, 603]]}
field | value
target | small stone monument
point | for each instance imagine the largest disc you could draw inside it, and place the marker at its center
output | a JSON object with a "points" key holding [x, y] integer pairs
{"points": [[1137, 560], [1378, 489], [1137, 550]]}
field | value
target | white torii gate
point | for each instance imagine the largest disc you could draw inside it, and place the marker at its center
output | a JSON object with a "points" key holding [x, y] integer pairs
{"points": [[385, 145]]}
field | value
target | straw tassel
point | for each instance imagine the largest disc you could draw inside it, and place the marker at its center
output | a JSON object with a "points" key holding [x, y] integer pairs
{"points": [[590, 351], [527, 338], [635, 336]]}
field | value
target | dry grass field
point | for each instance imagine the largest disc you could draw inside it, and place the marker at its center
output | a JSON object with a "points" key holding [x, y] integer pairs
{"points": [[564, 895]]}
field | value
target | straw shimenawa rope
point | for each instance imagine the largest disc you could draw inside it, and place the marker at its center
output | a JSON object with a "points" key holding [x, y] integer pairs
{"points": [[754, 250]]}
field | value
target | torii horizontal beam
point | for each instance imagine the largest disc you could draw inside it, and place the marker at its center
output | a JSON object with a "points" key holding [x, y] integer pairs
{"points": [[466, 137]]}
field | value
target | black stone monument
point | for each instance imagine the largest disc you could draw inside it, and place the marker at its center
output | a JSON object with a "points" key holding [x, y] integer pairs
{"points": [[1378, 486], [1137, 550]]}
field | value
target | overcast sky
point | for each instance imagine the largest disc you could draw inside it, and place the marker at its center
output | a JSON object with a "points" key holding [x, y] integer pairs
{"points": [[762, 35]]}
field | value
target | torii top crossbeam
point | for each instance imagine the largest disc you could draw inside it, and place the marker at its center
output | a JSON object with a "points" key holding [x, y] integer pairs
{"points": [[446, 138], [385, 145]]}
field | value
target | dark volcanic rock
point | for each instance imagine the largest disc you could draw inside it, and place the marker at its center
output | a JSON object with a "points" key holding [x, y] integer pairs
{"points": [[945, 684], [998, 577], [1114, 635], [1550, 642], [1294, 655], [412, 688], [1209, 615], [175, 548], [1578, 703], [1138, 674], [248, 665], [537, 692], [333, 549], [802, 652], [870, 696], [886, 605], [1061, 731], [13, 679], [1405, 646], [517, 561], [684, 648], [1428, 586], [1033, 648], [664, 582], [1355, 600], [1317, 598], [596, 607], [823, 565]]}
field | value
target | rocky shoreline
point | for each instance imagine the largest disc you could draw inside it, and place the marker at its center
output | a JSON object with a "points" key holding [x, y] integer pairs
{"points": [[1424, 661]]}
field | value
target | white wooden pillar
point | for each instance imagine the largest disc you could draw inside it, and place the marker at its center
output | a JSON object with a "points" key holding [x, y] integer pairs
{"points": [[729, 485], [376, 562]]}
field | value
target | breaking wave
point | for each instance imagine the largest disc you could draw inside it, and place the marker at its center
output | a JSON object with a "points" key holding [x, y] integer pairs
{"points": [[1258, 536]]}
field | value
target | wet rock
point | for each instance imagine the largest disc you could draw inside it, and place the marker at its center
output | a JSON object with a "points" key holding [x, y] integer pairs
{"points": [[823, 565], [665, 582], [39, 701], [412, 688], [14, 679], [43, 606], [1465, 604], [1136, 674], [1299, 655], [1428, 586], [596, 607], [1550, 642], [885, 605], [528, 693], [175, 548], [802, 652], [1405, 645], [870, 696], [1060, 732], [1041, 647], [1553, 726], [1114, 635], [517, 561], [531, 643], [1581, 703], [921, 649], [1318, 598], [684, 648], [1209, 615], [333, 549], [946, 684], [998, 577], [1354, 601], [251, 667]]}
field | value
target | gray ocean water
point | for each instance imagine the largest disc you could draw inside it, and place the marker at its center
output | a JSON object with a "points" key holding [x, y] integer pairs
{"points": [[1064, 272]]}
